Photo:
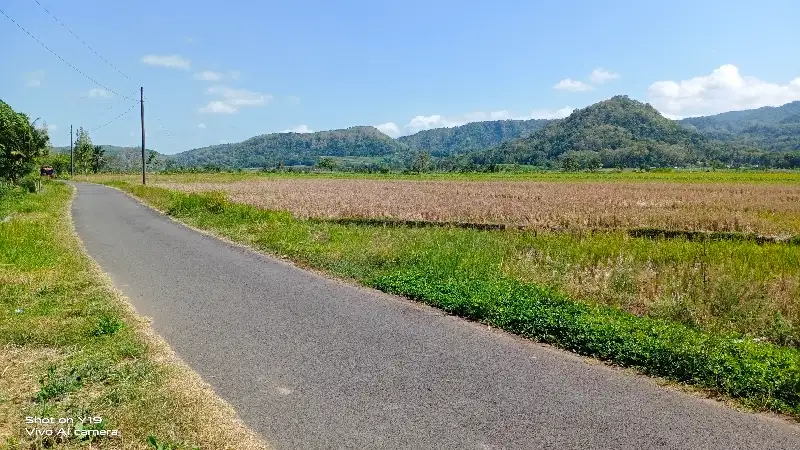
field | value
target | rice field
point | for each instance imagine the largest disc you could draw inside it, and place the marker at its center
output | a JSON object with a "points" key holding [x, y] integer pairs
{"points": [[771, 209]]}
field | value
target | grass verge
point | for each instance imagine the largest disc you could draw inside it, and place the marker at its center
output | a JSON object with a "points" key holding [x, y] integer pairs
{"points": [[471, 273], [72, 347]]}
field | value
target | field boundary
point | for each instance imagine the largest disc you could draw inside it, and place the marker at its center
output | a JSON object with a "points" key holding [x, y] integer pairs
{"points": [[650, 233]]}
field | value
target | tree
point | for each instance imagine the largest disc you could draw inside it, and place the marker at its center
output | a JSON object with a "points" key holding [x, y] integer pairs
{"points": [[420, 162], [83, 151], [21, 143], [326, 163], [569, 163], [98, 160]]}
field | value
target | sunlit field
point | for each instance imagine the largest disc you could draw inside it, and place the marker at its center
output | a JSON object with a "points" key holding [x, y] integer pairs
{"points": [[758, 203]]}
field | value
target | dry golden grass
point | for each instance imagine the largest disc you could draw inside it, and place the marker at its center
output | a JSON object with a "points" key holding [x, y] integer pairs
{"points": [[769, 209]]}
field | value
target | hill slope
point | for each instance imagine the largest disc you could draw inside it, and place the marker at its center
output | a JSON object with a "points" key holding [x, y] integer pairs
{"points": [[471, 137], [628, 132], [293, 148], [769, 128]]}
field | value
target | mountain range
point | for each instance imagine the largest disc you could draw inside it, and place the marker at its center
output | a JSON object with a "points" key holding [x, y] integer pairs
{"points": [[618, 132]]}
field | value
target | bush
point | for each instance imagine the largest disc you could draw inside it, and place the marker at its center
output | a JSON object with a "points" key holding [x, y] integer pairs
{"points": [[214, 202], [762, 375], [8, 189], [31, 183]]}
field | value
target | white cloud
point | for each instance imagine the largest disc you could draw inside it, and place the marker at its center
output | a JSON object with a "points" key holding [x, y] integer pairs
{"points": [[51, 127], [600, 76], [240, 97], [568, 84], [551, 113], [208, 75], [34, 79], [171, 61], [99, 93], [223, 141], [299, 129], [201, 125], [218, 107], [233, 99], [389, 128], [725, 89]]}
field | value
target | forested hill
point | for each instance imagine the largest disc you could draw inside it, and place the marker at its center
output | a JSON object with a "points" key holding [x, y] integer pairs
{"points": [[768, 128], [471, 137], [293, 148], [618, 132], [627, 132]]}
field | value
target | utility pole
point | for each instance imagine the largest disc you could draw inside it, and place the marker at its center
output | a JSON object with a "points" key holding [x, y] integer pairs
{"points": [[71, 158], [141, 102]]}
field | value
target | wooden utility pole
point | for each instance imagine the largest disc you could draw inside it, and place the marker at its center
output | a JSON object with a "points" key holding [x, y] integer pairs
{"points": [[141, 102], [71, 158]]}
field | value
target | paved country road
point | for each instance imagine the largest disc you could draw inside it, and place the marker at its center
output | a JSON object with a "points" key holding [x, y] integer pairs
{"points": [[312, 363]]}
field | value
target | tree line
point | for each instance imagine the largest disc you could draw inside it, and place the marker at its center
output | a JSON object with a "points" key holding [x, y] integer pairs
{"points": [[25, 147]]}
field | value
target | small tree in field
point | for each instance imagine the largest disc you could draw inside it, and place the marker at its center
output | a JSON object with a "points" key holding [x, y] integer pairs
{"points": [[327, 164], [83, 151], [420, 162], [21, 143]]}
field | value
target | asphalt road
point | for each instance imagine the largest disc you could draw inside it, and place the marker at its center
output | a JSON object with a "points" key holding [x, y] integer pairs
{"points": [[312, 363]]}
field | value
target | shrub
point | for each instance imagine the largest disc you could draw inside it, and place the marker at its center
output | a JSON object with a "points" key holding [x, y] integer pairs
{"points": [[31, 183], [762, 375]]}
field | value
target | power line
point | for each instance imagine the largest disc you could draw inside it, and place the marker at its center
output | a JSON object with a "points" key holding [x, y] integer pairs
{"points": [[101, 113], [163, 128], [84, 42], [116, 118], [59, 57]]}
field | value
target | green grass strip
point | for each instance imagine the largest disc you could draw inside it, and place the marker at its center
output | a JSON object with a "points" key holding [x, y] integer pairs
{"points": [[762, 375]]}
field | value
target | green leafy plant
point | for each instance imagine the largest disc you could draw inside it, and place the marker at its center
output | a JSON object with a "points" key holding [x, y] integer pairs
{"points": [[107, 325]]}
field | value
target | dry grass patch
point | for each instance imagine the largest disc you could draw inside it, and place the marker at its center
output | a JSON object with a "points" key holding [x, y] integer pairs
{"points": [[769, 209]]}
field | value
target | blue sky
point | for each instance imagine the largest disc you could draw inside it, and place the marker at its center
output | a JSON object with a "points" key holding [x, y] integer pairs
{"points": [[224, 71]]}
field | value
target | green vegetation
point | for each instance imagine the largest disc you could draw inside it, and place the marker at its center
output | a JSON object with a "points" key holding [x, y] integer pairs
{"points": [[22, 144], [270, 150], [705, 330], [475, 136], [776, 129], [678, 176], [114, 159], [621, 132], [70, 347], [615, 133]]}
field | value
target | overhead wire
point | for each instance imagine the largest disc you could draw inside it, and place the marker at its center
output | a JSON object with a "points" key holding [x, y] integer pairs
{"points": [[163, 128], [62, 59], [83, 42], [104, 111], [160, 122], [116, 118]]}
